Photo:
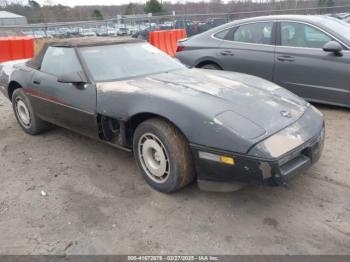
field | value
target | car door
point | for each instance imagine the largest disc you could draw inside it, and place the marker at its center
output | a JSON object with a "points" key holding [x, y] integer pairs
{"points": [[304, 68], [69, 105], [249, 48]]}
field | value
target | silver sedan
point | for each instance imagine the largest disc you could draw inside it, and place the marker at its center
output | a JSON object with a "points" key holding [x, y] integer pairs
{"points": [[309, 55]]}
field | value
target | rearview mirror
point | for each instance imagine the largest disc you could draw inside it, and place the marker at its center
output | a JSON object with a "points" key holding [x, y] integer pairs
{"points": [[72, 78], [333, 47]]}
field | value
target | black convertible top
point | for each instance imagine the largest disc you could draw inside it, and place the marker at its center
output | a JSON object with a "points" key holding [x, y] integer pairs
{"points": [[92, 41], [35, 62]]}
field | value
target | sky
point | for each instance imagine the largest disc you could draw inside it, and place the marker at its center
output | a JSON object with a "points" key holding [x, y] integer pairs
{"points": [[106, 2], [91, 2]]}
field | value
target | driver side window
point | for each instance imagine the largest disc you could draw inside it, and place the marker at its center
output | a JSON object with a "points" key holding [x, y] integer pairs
{"points": [[59, 61], [302, 35]]}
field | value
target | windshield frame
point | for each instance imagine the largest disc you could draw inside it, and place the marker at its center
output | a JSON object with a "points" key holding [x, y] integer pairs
{"points": [[90, 75]]}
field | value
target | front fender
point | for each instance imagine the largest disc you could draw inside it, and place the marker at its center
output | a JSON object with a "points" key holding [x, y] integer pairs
{"points": [[191, 116]]}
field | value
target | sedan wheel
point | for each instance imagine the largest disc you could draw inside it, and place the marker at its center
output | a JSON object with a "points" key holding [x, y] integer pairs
{"points": [[163, 155], [211, 67]]}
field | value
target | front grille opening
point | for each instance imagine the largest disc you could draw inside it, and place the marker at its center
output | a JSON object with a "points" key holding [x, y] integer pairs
{"points": [[294, 163]]}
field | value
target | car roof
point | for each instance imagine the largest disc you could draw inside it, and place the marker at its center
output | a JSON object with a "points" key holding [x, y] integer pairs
{"points": [[307, 18], [91, 41], [313, 19]]}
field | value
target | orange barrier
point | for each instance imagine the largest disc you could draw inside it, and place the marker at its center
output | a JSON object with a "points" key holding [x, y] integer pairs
{"points": [[167, 40], [13, 48]]}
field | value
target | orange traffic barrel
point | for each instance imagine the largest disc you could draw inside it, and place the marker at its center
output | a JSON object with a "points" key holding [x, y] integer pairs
{"points": [[13, 48], [167, 40]]}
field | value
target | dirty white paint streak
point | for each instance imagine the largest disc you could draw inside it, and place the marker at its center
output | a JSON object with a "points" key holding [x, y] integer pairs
{"points": [[120, 86]]}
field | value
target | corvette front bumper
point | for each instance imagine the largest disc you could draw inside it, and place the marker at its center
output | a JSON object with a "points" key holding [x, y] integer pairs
{"points": [[248, 169]]}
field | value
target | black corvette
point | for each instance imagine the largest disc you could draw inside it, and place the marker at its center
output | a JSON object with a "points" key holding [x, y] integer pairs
{"points": [[182, 124]]}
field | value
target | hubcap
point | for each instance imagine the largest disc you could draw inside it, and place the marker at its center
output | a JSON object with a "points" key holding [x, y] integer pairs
{"points": [[154, 158], [23, 112]]}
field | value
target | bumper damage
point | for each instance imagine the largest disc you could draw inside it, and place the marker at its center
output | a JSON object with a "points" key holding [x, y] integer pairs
{"points": [[253, 168]]}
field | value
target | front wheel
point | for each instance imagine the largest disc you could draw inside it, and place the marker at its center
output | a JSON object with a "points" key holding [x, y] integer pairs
{"points": [[25, 114], [163, 155]]}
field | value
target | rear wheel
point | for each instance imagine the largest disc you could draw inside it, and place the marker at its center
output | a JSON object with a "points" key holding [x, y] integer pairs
{"points": [[163, 155], [25, 114], [211, 66]]}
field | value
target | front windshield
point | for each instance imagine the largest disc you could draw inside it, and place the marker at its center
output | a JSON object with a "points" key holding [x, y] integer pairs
{"points": [[338, 26], [123, 61]]}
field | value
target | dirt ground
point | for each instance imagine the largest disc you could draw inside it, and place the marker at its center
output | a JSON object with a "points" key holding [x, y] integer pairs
{"points": [[97, 202]]}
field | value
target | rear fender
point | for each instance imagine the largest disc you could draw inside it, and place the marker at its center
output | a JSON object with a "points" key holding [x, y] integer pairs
{"points": [[208, 60], [13, 71]]}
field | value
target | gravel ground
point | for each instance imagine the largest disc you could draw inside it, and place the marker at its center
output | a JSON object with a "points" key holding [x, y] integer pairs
{"points": [[97, 202]]}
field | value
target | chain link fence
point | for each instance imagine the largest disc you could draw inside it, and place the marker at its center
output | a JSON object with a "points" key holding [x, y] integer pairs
{"points": [[139, 26]]}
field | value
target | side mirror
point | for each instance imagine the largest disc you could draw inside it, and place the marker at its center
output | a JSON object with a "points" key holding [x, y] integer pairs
{"points": [[72, 78], [333, 47]]}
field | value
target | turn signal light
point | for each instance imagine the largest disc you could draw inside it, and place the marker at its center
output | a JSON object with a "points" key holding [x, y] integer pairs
{"points": [[217, 158], [227, 160]]}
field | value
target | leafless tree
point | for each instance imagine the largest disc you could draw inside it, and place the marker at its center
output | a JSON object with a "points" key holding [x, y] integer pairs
{"points": [[51, 12]]}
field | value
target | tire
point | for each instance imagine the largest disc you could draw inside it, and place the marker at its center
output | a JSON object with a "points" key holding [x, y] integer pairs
{"points": [[163, 155], [25, 114], [211, 67]]}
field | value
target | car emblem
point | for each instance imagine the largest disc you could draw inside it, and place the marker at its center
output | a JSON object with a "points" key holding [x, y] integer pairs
{"points": [[285, 113]]}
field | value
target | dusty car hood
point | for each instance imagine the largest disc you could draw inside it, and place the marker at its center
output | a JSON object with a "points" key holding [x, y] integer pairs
{"points": [[266, 104], [204, 102]]}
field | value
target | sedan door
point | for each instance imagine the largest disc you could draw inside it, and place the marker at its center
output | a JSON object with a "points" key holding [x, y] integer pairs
{"points": [[66, 104], [249, 48], [304, 68]]}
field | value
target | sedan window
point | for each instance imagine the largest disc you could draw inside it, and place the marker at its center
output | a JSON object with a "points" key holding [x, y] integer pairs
{"points": [[222, 34], [59, 61], [254, 33], [302, 35]]}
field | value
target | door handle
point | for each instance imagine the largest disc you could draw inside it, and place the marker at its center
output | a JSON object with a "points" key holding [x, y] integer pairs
{"points": [[226, 52], [285, 58], [37, 82]]}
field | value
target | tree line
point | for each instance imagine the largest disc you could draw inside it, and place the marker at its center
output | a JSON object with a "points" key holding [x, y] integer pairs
{"points": [[50, 12]]}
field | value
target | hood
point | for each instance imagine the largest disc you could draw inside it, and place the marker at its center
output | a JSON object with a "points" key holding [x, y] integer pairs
{"points": [[264, 104], [223, 106]]}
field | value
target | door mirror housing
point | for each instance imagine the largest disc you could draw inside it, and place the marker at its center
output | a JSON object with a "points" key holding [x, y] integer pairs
{"points": [[334, 47], [72, 78]]}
